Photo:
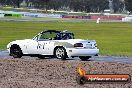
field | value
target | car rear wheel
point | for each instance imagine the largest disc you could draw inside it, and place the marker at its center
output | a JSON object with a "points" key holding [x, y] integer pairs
{"points": [[84, 58], [16, 51], [60, 53]]}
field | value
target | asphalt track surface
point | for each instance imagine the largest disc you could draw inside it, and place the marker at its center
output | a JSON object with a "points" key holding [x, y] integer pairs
{"points": [[5, 55]]}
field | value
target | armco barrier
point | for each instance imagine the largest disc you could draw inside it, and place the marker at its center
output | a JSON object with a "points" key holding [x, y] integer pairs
{"points": [[42, 15], [78, 17], [107, 17], [95, 17], [13, 15], [86, 17]]}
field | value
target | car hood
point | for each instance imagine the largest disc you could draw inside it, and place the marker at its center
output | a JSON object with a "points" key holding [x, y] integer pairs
{"points": [[25, 40], [18, 42]]}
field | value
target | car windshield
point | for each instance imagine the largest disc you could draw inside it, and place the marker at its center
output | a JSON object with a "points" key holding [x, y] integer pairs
{"points": [[54, 36]]}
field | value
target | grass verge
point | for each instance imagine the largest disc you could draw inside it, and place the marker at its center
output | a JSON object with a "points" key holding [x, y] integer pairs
{"points": [[112, 38]]}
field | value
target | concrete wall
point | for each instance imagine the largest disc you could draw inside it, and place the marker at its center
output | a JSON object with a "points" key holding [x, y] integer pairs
{"points": [[1, 15], [42, 15], [127, 19]]}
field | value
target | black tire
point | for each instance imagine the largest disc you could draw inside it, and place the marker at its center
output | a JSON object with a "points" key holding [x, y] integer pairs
{"points": [[60, 53], [16, 51], [84, 58], [81, 80]]}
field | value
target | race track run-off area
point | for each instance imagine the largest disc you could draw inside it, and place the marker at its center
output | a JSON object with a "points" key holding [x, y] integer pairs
{"points": [[31, 72]]}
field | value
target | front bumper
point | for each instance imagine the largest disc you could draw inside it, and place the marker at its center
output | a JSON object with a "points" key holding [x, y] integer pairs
{"points": [[74, 52]]}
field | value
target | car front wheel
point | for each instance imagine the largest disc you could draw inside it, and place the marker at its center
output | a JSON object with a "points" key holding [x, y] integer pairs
{"points": [[16, 51], [60, 53]]}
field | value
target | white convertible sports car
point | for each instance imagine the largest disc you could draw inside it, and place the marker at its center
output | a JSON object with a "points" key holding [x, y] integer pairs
{"points": [[54, 43]]}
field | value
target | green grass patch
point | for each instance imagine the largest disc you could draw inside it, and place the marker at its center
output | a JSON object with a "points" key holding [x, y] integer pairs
{"points": [[112, 38]]}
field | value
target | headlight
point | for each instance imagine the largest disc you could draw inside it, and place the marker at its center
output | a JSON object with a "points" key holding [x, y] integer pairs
{"points": [[9, 45]]}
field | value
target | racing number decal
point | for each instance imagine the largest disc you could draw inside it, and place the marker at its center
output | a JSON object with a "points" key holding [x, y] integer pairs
{"points": [[40, 46]]}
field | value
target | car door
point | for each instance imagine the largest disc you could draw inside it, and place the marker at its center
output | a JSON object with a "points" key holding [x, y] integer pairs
{"points": [[32, 47], [45, 43], [42, 47], [37, 47], [42, 43]]}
